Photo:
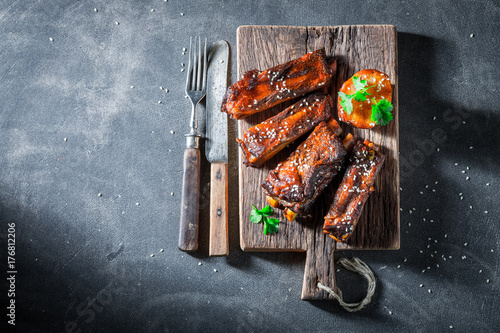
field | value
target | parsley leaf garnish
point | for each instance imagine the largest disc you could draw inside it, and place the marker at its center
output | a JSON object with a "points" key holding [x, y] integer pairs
{"points": [[346, 102], [359, 95], [271, 225], [381, 112], [358, 83], [255, 216]]}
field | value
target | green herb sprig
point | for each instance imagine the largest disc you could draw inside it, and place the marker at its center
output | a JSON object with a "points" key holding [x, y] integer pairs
{"points": [[271, 225], [381, 112], [359, 95]]}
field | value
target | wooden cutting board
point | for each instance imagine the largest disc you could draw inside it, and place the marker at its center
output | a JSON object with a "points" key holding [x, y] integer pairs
{"points": [[355, 48]]}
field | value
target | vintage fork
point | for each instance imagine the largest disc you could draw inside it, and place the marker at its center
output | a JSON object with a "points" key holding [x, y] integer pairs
{"points": [[195, 89]]}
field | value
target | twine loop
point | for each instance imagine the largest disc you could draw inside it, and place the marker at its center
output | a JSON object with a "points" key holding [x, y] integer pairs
{"points": [[358, 266]]}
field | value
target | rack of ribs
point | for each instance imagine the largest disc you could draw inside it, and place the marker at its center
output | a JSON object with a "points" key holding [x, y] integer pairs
{"points": [[295, 183], [264, 140], [261, 90], [357, 184]]}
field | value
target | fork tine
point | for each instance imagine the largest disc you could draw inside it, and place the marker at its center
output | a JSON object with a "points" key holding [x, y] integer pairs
{"points": [[205, 67], [198, 76], [188, 76], [196, 65]]}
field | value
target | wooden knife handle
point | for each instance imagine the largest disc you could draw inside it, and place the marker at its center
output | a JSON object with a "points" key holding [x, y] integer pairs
{"points": [[190, 201], [219, 243]]}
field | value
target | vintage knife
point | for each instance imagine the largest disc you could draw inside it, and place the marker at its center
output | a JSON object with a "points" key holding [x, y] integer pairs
{"points": [[216, 147]]}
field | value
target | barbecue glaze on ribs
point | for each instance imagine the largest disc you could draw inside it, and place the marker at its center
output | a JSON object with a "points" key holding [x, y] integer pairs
{"points": [[263, 141], [260, 90], [296, 183], [357, 184]]}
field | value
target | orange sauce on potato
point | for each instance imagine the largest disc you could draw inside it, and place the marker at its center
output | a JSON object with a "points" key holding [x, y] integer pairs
{"points": [[360, 116]]}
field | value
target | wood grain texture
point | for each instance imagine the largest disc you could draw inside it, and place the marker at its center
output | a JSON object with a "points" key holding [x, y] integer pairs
{"points": [[219, 242], [355, 48], [190, 201]]}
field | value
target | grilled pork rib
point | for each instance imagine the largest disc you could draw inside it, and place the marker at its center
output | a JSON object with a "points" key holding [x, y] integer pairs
{"points": [[357, 184], [260, 90], [263, 141], [296, 183]]}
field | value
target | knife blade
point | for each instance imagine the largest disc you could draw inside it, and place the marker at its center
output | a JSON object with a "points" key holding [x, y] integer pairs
{"points": [[216, 147]]}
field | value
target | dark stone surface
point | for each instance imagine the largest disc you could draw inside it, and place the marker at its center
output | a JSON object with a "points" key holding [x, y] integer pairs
{"points": [[83, 260]]}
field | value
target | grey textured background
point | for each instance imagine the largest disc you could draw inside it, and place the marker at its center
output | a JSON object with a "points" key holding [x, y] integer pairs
{"points": [[85, 259]]}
